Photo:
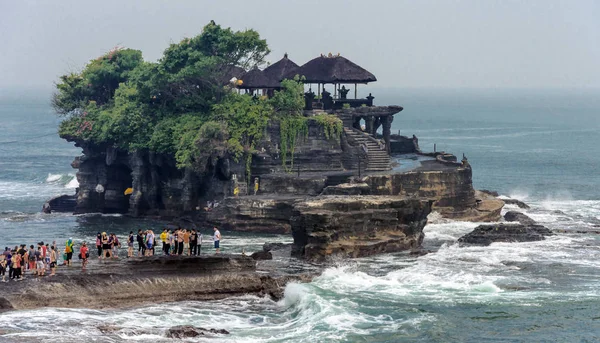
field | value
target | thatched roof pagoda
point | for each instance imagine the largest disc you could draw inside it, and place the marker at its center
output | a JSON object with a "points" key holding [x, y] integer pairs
{"points": [[333, 69], [281, 69], [256, 79]]}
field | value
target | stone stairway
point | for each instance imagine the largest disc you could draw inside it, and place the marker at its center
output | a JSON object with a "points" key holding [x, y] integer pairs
{"points": [[378, 158]]}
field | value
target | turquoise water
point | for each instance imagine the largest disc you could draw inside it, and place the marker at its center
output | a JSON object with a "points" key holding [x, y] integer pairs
{"points": [[541, 147]]}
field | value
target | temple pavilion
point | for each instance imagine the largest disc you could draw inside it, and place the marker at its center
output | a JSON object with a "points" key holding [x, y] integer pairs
{"points": [[334, 70]]}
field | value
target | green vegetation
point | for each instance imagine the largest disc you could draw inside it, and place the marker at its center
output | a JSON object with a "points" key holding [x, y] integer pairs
{"points": [[179, 104], [332, 125]]}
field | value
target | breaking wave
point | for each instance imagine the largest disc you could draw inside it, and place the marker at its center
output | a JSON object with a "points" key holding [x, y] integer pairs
{"points": [[67, 180]]}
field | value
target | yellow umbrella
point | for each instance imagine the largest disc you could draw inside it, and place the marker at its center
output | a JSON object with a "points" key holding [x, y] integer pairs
{"points": [[128, 191]]}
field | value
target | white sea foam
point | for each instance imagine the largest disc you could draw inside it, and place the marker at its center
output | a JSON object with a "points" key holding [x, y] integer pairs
{"points": [[72, 184]]}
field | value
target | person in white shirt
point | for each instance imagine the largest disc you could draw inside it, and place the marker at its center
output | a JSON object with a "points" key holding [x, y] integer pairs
{"points": [[217, 239]]}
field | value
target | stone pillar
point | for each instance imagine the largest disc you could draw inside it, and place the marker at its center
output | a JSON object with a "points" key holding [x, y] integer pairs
{"points": [[387, 130], [369, 124], [376, 125]]}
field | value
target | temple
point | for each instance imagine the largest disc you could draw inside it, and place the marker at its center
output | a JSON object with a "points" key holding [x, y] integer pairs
{"points": [[362, 120]]}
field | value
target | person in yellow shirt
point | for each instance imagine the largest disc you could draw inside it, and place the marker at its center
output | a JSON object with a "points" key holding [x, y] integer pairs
{"points": [[164, 238]]}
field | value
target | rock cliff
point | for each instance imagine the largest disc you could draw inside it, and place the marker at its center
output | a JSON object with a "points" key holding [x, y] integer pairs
{"points": [[324, 199], [354, 226]]}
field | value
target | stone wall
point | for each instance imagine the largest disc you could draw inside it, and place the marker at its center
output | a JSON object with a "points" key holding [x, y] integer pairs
{"points": [[313, 153]]}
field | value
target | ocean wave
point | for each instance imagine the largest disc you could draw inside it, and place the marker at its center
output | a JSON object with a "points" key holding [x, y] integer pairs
{"points": [[68, 180]]}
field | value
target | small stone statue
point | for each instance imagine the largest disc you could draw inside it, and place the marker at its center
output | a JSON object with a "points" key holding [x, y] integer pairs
{"points": [[344, 92], [465, 161]]}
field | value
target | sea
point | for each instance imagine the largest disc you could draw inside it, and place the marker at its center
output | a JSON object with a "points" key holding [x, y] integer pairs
{"points": [[538, 146]]}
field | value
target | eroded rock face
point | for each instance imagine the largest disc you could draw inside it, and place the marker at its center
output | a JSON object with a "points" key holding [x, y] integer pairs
{"points": [[488, 234], [355, 226], [449, 185], [255, 214]]}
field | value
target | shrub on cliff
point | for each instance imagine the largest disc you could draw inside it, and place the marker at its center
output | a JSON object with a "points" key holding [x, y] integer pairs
{"points": [[121, 100]]}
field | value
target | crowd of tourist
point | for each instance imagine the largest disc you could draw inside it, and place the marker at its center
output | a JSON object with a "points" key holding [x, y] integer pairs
{"points": [[41, 258]]}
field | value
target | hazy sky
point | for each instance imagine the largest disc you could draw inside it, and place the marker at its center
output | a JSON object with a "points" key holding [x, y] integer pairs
{"points": [[478, 43]]}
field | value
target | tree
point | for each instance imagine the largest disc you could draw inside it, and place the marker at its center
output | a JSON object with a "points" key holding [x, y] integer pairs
{"points": [[97, 82]]}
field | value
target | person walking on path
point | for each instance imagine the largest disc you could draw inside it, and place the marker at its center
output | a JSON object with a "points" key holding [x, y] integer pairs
{"points": [[3, 266], [150, 240], [163, 238], [130, 244], [186, 242], [30, 260], [53, 261], [16, 266], [172, 242], [69, 250], [180, 241], [194, 243], [99, 245], [116, 246], [39, 262], [141, 244], [217, 240], [84, 254]]}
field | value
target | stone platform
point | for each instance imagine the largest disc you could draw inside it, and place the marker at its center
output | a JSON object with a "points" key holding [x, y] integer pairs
{"points": [[140, 281]]}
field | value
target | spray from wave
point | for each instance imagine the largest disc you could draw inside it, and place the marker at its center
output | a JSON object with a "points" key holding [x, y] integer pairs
{"points": [[67, 180]]}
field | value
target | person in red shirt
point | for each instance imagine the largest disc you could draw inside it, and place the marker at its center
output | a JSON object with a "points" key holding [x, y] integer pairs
{"points": [[83, 255]]}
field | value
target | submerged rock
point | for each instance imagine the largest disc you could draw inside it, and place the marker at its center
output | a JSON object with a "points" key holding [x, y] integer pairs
{"points": [[514, 216], [488, 234], [516, 202], [186, 331], [262, 255], [275, 246]]}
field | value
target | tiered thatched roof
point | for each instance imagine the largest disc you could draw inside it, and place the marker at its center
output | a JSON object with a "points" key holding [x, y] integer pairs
{"points": [[280, 69], [256, 79], [333, 69]]}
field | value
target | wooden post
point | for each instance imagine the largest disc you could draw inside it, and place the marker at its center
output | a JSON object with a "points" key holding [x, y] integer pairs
{"points": [[355, 85], [434, 147]]}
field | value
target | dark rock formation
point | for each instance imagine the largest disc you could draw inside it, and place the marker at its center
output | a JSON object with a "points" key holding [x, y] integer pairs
{"points": [[514, 216], [61, 203], [492, 193], [516, 202], [355, 226], [187, 331], [262, 255], [488, 234]]}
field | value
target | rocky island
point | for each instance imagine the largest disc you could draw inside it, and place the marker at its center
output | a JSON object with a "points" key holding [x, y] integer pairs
{"points": [[205, 134]]}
